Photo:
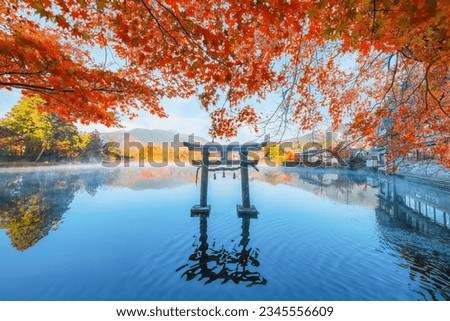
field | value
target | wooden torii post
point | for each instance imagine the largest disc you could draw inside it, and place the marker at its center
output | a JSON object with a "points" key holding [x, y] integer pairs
{"points": [[224, 164]]}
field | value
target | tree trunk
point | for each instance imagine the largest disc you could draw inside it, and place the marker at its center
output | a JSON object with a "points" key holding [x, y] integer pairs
{"points": [[44, 146]]}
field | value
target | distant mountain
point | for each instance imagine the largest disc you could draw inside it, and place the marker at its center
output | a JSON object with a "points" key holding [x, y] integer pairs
{"points": [[145, 136], [320, 135]]}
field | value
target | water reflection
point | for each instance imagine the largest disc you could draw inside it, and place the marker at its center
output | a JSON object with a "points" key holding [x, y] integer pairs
{"points": [[342, 186], [33, 204], [407, 223], [216, 263], [423, 208], [149, 178], [413, 220]]}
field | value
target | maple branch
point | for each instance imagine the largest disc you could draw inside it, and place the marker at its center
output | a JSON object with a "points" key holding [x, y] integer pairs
{"points": [[286, 95], [352, 142], [111, 52], [38, 88], [428, 91], [188, 34], [26, 86], [105, 60], [268, 8], [18, 72], [409, 54], [374, 16], [365, 67], [391, 10], [404, 100], [24, 73], [161, 28], [391, 85]]}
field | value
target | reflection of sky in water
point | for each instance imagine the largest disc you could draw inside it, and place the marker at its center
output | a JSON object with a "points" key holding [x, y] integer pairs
{"points": [[127, 234]]}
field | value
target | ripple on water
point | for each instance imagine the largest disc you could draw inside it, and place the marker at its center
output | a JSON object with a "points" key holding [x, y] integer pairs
{"points": [[309, 247], [426, 260], [147, 270]]}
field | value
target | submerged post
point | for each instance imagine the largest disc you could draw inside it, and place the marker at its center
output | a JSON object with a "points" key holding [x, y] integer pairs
{"points": [[204, 179], [244, 180], [203, 209], [246, 210]]}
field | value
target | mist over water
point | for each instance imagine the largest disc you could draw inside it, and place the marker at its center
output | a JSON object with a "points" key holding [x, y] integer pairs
{"points": [[85, 232]]}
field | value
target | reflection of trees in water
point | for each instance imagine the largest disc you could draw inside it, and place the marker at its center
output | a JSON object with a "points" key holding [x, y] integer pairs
{"points": [[342, 181], [138, 178], [32, 204], [423, 244], [341, 185], [220, 264]]}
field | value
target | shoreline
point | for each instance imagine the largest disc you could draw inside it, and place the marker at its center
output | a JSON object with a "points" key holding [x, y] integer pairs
{"points": [[28, 167], [424, 178], [439, 176]]}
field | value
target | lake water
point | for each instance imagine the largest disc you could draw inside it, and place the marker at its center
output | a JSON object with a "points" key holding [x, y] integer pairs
{"points": [[91, 233]]}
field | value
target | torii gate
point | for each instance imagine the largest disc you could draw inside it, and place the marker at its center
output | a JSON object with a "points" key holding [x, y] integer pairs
{"points": [[225, 164]]}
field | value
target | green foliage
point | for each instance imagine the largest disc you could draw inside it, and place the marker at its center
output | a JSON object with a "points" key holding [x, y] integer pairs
{"points": [[91, 146], [25, 120], [277, 155], [46, 134]]}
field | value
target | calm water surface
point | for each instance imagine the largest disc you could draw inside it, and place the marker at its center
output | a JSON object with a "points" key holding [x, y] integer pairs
{"points": [[127, 234]]}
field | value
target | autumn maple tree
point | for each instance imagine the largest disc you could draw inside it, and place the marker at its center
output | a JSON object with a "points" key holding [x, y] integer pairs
{"points": [[361, 61]]}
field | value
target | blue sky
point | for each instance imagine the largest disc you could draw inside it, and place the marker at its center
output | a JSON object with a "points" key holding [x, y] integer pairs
{"points": [[185, 116]]}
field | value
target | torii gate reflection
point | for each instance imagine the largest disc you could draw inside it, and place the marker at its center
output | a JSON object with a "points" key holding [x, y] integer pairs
{"points": [[215, 264], [221, 264]]}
